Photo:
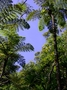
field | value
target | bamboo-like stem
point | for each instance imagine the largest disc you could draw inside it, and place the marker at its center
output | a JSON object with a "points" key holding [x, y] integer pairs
{"points": [[58, 76]]}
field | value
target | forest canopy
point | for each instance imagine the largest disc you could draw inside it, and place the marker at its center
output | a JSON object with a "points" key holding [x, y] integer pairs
{"points": [[49, 71]]}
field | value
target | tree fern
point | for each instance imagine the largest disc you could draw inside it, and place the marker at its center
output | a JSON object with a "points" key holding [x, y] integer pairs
{"points": [[11, 15], [10, 45], [54, 14]]}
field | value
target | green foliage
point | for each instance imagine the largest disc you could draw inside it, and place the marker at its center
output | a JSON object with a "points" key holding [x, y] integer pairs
{"points": [[20, 7], [32, 14], [41, 75], [10, 45], [61, 19], [11, 19], [47, 8], [11, 15], [41, 24]]}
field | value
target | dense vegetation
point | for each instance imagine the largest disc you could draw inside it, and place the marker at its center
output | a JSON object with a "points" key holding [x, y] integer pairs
{"points": [[49, 71]]}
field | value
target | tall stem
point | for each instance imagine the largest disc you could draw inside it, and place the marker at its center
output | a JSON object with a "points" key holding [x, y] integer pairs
{"points": [[56, 54]]}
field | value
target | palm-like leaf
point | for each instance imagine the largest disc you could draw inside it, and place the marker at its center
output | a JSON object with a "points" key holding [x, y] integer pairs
{"points": [[24, 47], [34, 14], [10, 45], [61, 4], [17, 42], [5, 3], [41, 24], [11, 15], [46, 8]]}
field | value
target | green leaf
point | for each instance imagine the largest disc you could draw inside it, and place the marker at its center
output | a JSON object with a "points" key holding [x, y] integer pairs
{"points": [[32, 15], [41, 24]]}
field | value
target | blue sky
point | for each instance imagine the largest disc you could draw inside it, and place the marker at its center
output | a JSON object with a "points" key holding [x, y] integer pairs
{"points": [[33, 36]]}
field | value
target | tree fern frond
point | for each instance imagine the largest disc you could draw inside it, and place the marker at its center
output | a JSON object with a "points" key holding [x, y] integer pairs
{"points": [[39, 2], [41, 24], [59, 4], [11, 16], [34, 14], [5, 4], [21, 61], [24, 24], [24, 47], [61, 18], [14, 24], [20, 7]]}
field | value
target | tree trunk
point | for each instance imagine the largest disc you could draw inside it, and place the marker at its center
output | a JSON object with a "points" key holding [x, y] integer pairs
{"points": [[56, 54]]}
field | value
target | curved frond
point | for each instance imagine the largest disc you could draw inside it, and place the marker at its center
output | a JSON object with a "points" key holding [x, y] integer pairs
{"points": [[59, 4], [21, 61], [41, 24], [24, 47], [39, 2], [11, 15], [60, 19], [34, 14], [5, 4]]}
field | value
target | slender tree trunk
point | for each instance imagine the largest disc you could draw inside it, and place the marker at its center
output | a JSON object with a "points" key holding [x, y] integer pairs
{"points": [[56, 54]]}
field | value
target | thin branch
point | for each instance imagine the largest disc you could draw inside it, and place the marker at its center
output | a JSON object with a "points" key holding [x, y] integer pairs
{"points": [[49, 76], [22, 15], [24, 2]]}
